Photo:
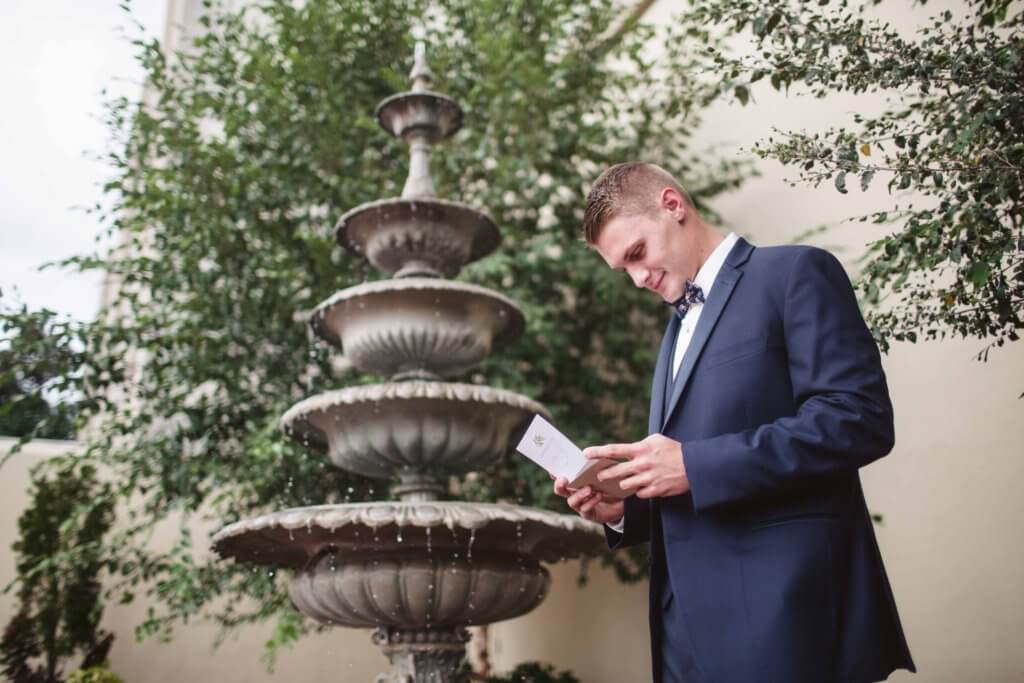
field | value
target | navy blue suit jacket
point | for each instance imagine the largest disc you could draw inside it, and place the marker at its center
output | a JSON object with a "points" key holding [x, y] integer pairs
{"points": [[772, 557]]}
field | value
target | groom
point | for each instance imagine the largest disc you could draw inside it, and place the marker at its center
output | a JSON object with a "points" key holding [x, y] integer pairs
{"points": [[768, 396]]}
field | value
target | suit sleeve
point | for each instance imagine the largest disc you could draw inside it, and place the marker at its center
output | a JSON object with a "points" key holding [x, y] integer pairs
{"points": [[843, 417], [637, 524]]}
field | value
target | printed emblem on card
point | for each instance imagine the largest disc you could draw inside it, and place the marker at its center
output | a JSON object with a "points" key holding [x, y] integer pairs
{"points": [[538, 439]]}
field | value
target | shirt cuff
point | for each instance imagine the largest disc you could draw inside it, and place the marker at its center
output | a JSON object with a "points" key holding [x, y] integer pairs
{"points": [[618, 527]]}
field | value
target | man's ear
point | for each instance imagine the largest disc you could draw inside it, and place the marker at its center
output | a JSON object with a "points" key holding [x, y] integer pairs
{"points": [[672, 201]]}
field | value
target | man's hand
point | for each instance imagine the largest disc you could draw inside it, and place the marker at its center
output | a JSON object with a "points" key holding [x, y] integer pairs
{"points": [[591, 505], [653, 468]]}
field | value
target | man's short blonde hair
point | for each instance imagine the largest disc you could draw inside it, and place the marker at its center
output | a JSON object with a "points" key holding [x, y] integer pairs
{"points": [[631, 188]]}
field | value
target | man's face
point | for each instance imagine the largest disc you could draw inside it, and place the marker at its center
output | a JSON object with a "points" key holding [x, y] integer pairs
{"points": [[654, 249]]}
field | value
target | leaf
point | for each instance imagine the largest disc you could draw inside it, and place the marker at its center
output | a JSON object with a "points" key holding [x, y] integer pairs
{"points": [[872, 294], [865, 179], [978, 273], [865, 149], [742, 94], [840, 182]]}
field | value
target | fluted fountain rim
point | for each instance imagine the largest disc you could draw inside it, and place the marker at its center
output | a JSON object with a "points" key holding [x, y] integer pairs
{"points": [[375, 514], [411, 390], [511, 329], [552, 536], [412, 283], [409, 95], [485, 239]]}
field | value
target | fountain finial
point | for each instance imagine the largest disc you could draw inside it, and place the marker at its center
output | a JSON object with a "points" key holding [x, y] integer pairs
{"points": [[419, 182], [421, 75]]}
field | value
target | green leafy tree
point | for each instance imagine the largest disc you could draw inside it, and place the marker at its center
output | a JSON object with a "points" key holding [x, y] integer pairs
{"points": [[59, 559], [229, 178], [37, 357], [951, 137], [95, 674]]}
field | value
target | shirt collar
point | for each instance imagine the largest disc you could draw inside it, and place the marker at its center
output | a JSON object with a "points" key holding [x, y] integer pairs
{"points": [[709, 271]]}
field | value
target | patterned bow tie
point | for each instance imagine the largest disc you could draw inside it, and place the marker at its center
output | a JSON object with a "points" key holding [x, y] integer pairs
{"points": [[693, 294]]}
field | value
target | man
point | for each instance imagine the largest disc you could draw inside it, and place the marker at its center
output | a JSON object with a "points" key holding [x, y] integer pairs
{"points": [[768, 395]]}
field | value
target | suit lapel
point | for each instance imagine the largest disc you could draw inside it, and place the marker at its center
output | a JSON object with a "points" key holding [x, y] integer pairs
{"points": [[722, 290], [661, 370]]}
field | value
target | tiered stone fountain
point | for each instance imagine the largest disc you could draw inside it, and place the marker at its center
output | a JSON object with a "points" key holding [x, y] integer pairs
{"points": [[418, 570]]}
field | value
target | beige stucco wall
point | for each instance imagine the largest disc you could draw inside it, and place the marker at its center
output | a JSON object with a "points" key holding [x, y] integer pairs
{"points": [[948, 492]]}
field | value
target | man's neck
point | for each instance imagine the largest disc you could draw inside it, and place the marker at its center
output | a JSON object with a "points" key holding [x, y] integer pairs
{"points": [[708, 241]]}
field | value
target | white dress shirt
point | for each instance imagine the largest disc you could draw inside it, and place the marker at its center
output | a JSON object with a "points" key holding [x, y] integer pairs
{"points": [[705, 279]]}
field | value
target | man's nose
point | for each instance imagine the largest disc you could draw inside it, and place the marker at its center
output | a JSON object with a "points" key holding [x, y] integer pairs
{"points": [[639, 276]]}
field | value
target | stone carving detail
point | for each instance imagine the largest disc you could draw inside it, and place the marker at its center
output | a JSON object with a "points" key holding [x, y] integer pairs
{"points": [[421, 656], [442, 588], [423, 236], [429, 114], [411, 428], [291, 538], [417, 325]]}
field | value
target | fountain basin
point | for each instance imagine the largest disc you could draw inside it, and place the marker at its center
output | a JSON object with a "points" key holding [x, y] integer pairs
{"points": [[418, 236], [293, 538], [412, 429], [417, 324], [426, 114], [412, 565], [416, 589]]}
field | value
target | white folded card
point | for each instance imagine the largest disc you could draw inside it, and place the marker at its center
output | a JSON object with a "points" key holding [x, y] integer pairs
{"points": [[552, 450]]}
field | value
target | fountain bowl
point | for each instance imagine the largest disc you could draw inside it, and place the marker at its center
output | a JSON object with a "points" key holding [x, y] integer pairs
{"points": [[414, 589], [416, 325], [412, 429], [424, 236], [425, 114], [292, 538], [423, 565]]}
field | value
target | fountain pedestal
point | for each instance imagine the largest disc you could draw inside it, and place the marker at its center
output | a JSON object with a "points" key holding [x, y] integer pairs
{"points": [[422, 656]]}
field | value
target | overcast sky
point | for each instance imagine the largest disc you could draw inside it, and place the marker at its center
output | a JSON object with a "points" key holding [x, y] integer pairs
{"points": [[56, 58]]}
